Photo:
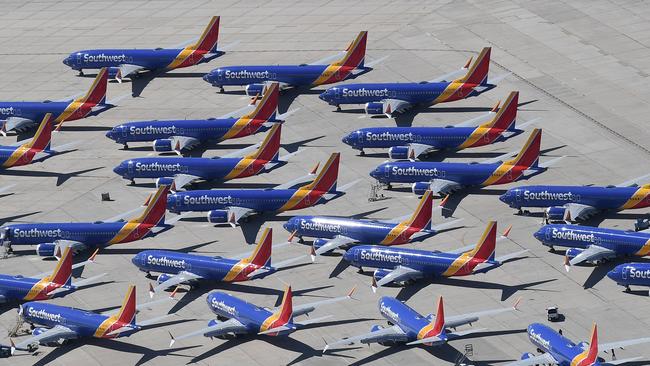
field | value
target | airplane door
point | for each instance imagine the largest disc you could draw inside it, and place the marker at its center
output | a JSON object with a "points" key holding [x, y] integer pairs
{"points": [[78, 58], [356, 256], [129, 167], [125, 132], [624, 272], [518, 195], [337, 93], [548, 234], [386, 171]]}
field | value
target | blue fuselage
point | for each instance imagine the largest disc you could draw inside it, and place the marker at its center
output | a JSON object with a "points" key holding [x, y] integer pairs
{"points": [[603, 198], [624, 243], [33, 111], [409, 320], [205, 168], [363, 231], [627, 274], [14, 288], [151, 59], [90, 234], [551, 342], [228, 306], [295, 75], [465, 174], [413, 93]]}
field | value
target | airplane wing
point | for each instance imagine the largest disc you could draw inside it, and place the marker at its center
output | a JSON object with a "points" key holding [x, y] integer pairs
{"points": [[415, 150], [56, 333], [634, 182], [458, 320], [393, 333], [236, 213], [75, 246], [549, 163], [579, 211], [173, 280], [337, 242], [443, 185], [450, 76], [241, 152], [126, 70], [307, 308], [6, 188], [181, 180], [500, 158], [485, 266], [283, 159], [392, 106], [622, 344], [328, 59], [340, 190], [399, 274], [169, 222], [592, 253], [543, 359], [183, 142], [230, 326], [473, 122], [369, 65], [17, 123], [299, 180]]}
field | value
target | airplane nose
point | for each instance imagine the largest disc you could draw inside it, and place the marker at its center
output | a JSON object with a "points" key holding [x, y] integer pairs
{"points": [[119, 170], [206, 77], [110, 134], [171, 201], [348, 255], [539, 234], [613, 274], [375, 173], [504, 198], [136, 260]]}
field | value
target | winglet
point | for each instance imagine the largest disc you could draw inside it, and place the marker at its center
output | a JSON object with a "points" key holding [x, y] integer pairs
{"points": [[312, 254], [292, 235], [351, 292], [172, 340], [515, 306], [314, 169], [93, 256], [507, 231], [567, 263], [151, 290], [444, 201], [373, 286], [173, 294], [13, 346], [469, 62], [496, 107]]}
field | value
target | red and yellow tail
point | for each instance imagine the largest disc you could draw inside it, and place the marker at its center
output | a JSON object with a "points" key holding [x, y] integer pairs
{"points": [[267, 108], [269, 150], [284, 314], [43, 136], [154, 214], [486, 246], [210, 37], [478, 71], [127, 311], [97, 93], [437, 326], [589, 356], [355, 53], [421, 218], [507, 114], [63, 272], [528, 157], [328, 176], [262, 254]]}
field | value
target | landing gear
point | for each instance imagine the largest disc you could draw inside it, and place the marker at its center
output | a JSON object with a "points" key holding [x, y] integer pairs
{"points": [[360, 270], [81, 72], [627, 288], [388, 186], [221, 90], [126, 146], [551, 249], [362, 153], [301, 240], [338, 108], [132, 182]]}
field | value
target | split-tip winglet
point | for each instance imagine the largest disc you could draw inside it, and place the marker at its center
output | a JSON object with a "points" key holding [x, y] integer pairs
{"points": [[312, 254], [507, 231], [13, 346], [325, 348], [171, 342], [373, 286], [469, 62], [496, 107], [93, 256], [254, 99], [516, 304], [567, 264], [146, 202], [171, 296], [292, 235], [444, 201], [151, 290], [351, 292], [314, 169]]}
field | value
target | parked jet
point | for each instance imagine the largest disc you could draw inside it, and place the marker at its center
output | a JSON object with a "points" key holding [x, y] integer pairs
{"points": [[347, 65], [179, 135], [42, 286], [335, 232], [37, 149], [593, 244], [571, 203], [177, 268], [409, 327], [231, 205], [631, 274], [51, 238], [246, 318], [559, 350], [180, 171], [58, 324], [394, 98], [20, 116], [125, 62], [402, 265], [443, 177], [413, 142]]}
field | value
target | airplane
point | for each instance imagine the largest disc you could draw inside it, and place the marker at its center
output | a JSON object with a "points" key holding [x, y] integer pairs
{"points": [[180, 171], [445, 178], [559, 350], [593, 244], [37, 149], [631, 274], [342, 66], [178, 268], [408, 327], [394, 98], [335, 232], [402, 265], [179, 135], [58, 324], [44, 286], [572, 203], [51, 238], [126, 62], [413, 142], [21, 116], [238, 317], [231, 205]]}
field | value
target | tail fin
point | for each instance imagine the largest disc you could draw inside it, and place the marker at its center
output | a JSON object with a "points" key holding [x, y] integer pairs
{"points": [[267, 108], [262, 254], [127, 311], [529, 155], [478, 72], [210, 36], [62, 274], [591, 355], [421, 218], [328, 176], [43, 136], [284, 314], [507, 114], [486, 247], [437, 326], [154, 214], [269, 150], [355, 53], [97, 92]]}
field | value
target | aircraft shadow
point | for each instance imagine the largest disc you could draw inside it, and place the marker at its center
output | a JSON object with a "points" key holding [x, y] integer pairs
{"points": [[600, 271], [134, 251], [288, 96], [13, 218], [61, 177], [86, 128]]}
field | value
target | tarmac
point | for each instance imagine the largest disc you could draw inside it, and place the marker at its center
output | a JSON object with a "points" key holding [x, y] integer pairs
{"points": [[582, 66]]}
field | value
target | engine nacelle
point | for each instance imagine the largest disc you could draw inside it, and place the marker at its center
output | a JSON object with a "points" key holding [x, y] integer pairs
{"points": [[319, 242], [218, 216], [527, 355], [254, 89], [398, 152], [162, 145], [380, 273], [376, 328], [46, 249], [374, 108], [556, 214], [164, 181], [114, 73], [39, 330], [573, 252], [162, 278], [217, 333], [419, 188]]}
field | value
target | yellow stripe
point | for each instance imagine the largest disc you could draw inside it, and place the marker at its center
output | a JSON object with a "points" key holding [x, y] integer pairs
{"points": [[645, 250], [636, 198], [104, 326], [236, 270], [448, 92], [16, 155], [476, 135], [241, 166], [326, 75], [180, 58], [295, 199], [457, 264], [125, 231], [37, 288], [236, 128]]}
